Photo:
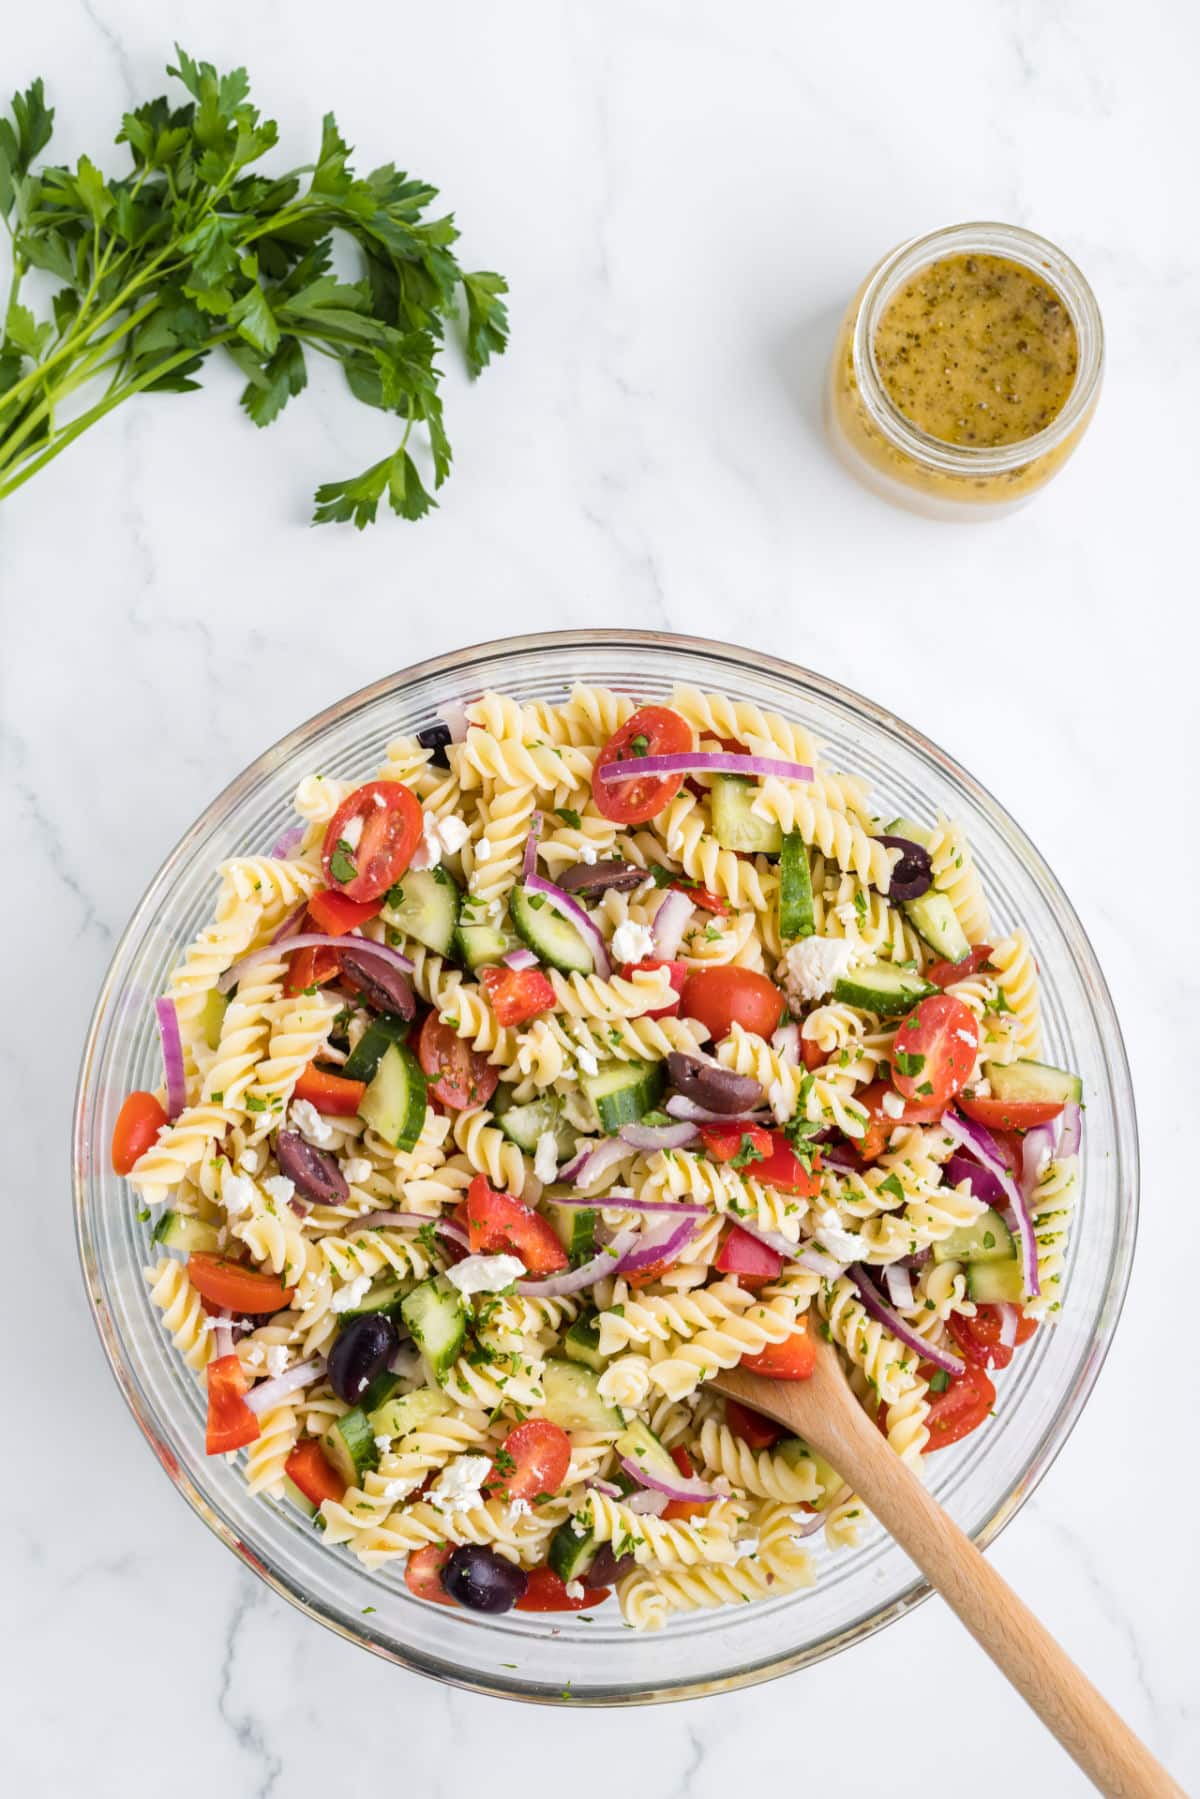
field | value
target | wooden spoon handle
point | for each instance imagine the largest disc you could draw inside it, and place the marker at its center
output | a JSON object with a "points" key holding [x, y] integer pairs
{"points": [[1109, 1753]]}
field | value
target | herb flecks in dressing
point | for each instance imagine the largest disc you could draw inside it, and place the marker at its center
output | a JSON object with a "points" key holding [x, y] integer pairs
{"points": [[977, 350]]}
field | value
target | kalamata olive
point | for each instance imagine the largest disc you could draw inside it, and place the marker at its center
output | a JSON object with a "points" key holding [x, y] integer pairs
{"points": [[913, 873], [482, 1580], [607, 1569], [717, 1089], [601, 877], [313, 1172], [361, 1351], [435, 738], [384, 987]]}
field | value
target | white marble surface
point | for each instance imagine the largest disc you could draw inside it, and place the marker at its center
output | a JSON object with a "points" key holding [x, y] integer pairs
{"points": [[682, 195]]}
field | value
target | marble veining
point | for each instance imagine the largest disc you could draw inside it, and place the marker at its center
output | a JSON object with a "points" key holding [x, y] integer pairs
{"points": [[683, 197]]}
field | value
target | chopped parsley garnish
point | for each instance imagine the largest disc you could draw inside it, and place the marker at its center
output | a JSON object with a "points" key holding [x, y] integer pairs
{"points": [[939, 1382], [569, 816], [639, 745], [253, 1103], [341, 863], [909, 1064], [748, 1151], [666, 877], [395, 895], [892, 1186]]}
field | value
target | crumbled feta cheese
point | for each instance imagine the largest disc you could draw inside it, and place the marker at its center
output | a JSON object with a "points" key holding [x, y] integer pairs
{"points": [[277, 1359], [251, 1159], [545, 1161], [352, 832], [587, 853], [280, 1189], [981, 1089], [237, 1194], [747, 1545], [483, 850], [399, 1489], [519, 1508], [839, 1243], [893, 1105], [305, 1118], [632, 942], [356, 1170], [453, 833], [485, 1274], [814, 966], [439, 836], [347, 1297], [574, 1589], [456, 1488], [586, 1060], [779, 1098], [383, 1444]]}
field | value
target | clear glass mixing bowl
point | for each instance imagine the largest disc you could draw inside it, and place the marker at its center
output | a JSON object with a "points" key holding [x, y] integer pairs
{"points": [[982, 1481]]}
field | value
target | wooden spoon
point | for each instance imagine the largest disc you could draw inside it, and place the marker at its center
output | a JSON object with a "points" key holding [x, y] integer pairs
{"points": [[826, 1414]]}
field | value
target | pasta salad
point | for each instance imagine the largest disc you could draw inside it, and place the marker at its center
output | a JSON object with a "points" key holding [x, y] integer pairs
{"points": [[571, 1058]]}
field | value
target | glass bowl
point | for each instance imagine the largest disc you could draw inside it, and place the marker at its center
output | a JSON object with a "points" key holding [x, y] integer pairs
{"points": [[982, 1481]]}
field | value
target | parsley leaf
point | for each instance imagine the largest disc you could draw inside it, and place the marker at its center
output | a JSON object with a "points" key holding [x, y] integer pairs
{"points": [[939, 1381], [569, 816], [748, 1151], [192, 250], [341, 863], [909, 1064]]}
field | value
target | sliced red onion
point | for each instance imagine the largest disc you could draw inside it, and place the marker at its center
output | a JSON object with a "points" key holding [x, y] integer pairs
{"points": [[680, 1106], [981, 1143], [874, 1302], [682, 1486], [817, 1261], [268, 1393], [222, 1334], [648, 1504], [172, 1055], [984, 1184], [658, 1136], [451, 1229], [575, 914], [519, 958], [593, 1159], [384, 1219], [1072, 1131], [786, 1043], [609, 1488], [699, 762], [661, 1243], [623, 1199], [669, 922], [289, 841], [291, 923], [1037, 1150], [1009, 1318], [575, 1279], [361, 946], [529, 859], [810, 1526], [899, 1285]]}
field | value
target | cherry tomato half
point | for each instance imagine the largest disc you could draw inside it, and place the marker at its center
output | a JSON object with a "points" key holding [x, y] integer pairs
{"points": [[881, 1123], [650, 731], [935, 1050], [944, 974], [234, 1287], [231, 1423], [1009, 1115], [535, 1459], [960, 1407], [725, 996], [363, 868], [546, 1592], [458, 1075], [423, 1572], [138, 1124], [979, 1337]]}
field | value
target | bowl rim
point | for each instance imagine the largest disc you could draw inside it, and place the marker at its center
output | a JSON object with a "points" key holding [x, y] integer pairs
{"points": [[1058, 1429]]}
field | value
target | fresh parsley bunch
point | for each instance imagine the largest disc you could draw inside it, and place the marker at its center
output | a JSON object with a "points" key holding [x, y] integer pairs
{"points": [[191, 252]]}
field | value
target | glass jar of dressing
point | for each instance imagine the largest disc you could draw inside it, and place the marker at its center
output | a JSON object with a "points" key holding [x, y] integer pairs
{"points": [[966, 370]]}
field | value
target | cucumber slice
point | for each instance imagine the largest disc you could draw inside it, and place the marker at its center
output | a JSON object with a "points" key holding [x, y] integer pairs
{"points": [[573, 1400], [548, 934], [394, 1103], [481, 944], [383, 1295], [350, 1446], [795, 889], [176, 1230], [986, 1239], [934, 918], [379, 1391], [362, 1064], [437, 1322], [213, 1017], [575, 1227], [300, 1500], [907, 827], [523, 1125], [572, 1549], [623, 1092], [427, 908], [882, 988], [735, 827], [996, 1283], [638, 1444], [1021, 1083], [582, 1344], [411, 1411]]}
